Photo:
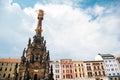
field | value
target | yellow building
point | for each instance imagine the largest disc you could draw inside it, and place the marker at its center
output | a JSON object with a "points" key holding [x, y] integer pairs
{"points": [[79, 71], [7, 66]]}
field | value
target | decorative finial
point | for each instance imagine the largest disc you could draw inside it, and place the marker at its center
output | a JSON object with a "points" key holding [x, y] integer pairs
{"points": [[40, 14], [29, 42], [24, 51], [40, 18]]}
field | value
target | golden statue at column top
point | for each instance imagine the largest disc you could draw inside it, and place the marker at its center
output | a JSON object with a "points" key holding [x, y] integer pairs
{"points": [[40, 18], [40, 14]]}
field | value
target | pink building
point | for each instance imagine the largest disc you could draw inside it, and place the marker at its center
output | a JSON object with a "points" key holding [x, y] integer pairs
{"points": [[67, 69]]}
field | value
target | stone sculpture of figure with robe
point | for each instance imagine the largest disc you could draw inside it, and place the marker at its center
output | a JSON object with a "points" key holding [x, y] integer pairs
{"points": [[29, 42], [23, 57], [15, 72]]}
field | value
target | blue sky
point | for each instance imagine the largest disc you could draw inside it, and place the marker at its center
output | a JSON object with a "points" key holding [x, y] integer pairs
{"points": [[77, 29]]}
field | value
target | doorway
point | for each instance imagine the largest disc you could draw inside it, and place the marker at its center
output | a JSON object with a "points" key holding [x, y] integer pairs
{"points": [[35, 77]]}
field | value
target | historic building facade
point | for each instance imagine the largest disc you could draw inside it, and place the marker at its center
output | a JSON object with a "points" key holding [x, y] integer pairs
{"points": [[7, 66], [111, 66], [94, 70], [64, 69], [56, 69], [79, 70], [35, 59], [67, 69]]}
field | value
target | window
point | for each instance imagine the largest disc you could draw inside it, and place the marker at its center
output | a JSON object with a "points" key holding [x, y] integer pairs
{"points": [[75, 70], [112, 69], [8, 75], [111, 65], [57, 66], [79, 69], [109, 74], [87, 64], [70, 71], [80, 75], [76, 75], [116, 69], [117, 73], [88, 68], [99, 73], [94, 68], [68, 76], [89, 74], [75, 65], [57, 71], [10, 69], [67, 66], [67, 71], [63, 76], [95, 73], [114, 74], [109, 60], [57, 76], [115, 64], [4, 75], [107, 65], [102, 67], [98, 67], [5, 69], [104, 73], [83, 75], [63, 71]]}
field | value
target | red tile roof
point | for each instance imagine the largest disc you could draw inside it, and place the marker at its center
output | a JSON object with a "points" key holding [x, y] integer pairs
{"points": [[10, 60]]}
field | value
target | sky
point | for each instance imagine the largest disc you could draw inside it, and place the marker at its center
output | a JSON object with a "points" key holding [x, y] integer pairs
{"points": [[73, 29]]}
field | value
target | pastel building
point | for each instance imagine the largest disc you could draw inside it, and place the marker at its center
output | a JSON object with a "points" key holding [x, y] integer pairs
{"points": [[7, 66], [67, 69], [56, 69], [111, 66], [94, 70], [79, 70]]}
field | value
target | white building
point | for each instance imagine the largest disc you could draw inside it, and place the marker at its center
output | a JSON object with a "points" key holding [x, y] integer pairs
{"points": [[111, 66], [56, 69]]}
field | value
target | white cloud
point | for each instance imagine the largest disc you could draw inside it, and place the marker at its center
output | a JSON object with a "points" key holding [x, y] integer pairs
{"points": [[70, 32]]}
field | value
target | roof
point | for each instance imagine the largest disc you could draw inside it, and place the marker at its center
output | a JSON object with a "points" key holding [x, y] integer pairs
{"points": [[12, 60], [106, 55], [95, 61]]}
